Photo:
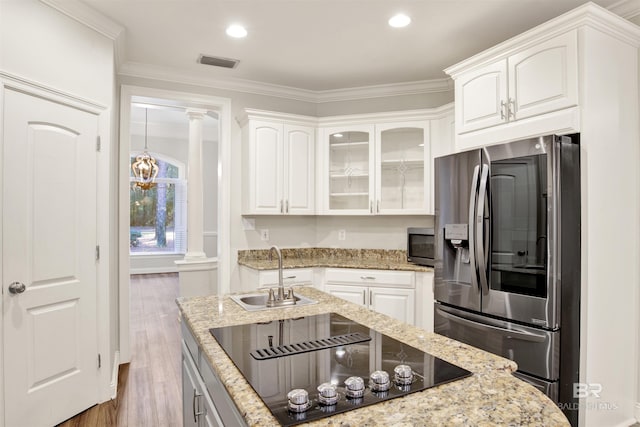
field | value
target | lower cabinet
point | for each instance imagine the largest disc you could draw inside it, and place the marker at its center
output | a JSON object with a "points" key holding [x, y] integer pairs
{"points": [[387, 292], [198, 409], [200, 388]]}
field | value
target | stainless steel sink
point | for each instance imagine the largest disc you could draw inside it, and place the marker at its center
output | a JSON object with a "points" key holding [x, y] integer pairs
{"points": [[258, 301]]}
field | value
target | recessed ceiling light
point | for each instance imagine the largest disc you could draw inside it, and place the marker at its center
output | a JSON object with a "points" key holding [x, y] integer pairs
{"points": [[236, 31], [400, 20]]}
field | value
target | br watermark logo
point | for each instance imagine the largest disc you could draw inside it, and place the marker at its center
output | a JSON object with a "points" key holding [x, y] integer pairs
{"points": [[588, 390]]}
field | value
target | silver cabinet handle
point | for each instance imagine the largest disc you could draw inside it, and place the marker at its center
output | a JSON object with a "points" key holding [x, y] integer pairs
{"points": [[364, 297], [281, 206], [367, 277], [286, 209], [290, 277], [378, 207], [511, 108], [17, 288], [370, 298], [196, 413], [371, 206], [503, 110]]}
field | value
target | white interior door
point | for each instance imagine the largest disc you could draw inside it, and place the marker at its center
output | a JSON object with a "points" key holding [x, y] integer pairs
{"points": [[48, 245]]}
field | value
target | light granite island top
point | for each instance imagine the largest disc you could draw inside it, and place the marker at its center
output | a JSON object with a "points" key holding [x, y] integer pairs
{"points": [[490, 397]]}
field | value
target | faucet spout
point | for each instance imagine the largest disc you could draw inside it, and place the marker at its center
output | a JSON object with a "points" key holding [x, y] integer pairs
{"points": [[280, 282]]}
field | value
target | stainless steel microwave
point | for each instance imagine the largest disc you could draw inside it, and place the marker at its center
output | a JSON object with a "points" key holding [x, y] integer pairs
{"points": [[421, 246]]}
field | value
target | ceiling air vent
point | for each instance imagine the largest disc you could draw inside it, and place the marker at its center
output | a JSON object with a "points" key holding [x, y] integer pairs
{"points": [[216, 61]]}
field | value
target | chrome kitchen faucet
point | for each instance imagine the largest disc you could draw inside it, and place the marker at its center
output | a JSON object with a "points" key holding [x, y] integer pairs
{"points": [[281, 299]]}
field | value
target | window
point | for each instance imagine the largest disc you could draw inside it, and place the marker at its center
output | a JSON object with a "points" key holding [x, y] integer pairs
{"points": [[158, 215]]}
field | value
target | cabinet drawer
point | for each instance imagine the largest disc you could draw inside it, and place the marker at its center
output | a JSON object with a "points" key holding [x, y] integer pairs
{"points": [[402, 279], [291, 276]]}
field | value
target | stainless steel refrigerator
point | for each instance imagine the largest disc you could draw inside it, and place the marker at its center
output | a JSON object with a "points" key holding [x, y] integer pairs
{"points": [[507, 268]]}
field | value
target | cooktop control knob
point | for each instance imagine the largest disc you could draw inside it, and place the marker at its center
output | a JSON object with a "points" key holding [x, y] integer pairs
{"points": [[354, 386], [403, 375], [379, 381], [298, 400], [327, 394]]}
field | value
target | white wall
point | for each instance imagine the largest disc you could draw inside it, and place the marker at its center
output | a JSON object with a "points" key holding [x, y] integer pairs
{"points": [[43, 47]]}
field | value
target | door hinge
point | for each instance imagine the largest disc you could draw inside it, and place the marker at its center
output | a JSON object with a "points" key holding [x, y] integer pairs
{"points": [[98, 143], [97, 252], [99, 361]]}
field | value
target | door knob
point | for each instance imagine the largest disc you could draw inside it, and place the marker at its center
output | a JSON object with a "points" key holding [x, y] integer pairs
{"points": [[17, 288]]}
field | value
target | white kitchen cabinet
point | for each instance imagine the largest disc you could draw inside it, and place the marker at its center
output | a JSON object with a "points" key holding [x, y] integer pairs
{"points": [[531, 81], [388, 292], [350, 184], [279, 165], [377, 168], [424, 300], [402, 173], [442, 143], [252, 279]]}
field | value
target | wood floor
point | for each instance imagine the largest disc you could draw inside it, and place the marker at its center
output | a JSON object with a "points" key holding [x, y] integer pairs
{"points": [[150, 387]]}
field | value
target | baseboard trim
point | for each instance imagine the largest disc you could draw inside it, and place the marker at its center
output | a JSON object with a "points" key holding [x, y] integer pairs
{"points": [[114, 375], [153, 270]]}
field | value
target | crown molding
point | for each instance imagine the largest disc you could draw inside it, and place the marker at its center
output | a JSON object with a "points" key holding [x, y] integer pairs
{"points": [[93, 19], [175, 75], [626, 8]]}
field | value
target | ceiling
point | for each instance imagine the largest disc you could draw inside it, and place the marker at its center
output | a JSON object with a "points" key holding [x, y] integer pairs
{"points": [[320, 45]]}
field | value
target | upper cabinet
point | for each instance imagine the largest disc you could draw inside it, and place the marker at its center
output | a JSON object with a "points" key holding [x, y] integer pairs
{"points": [[350, 160], [526, 82], [402, 168], [376, 168], [278, 166], [367, 164]]}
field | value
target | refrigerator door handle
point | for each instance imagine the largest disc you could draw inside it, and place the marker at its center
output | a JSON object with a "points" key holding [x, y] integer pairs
{"points": [[479, 228], [473, 194], [512, 332]]}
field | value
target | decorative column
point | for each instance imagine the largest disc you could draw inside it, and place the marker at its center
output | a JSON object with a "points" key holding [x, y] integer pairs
{"points": [[195, 195], [197, 273]]}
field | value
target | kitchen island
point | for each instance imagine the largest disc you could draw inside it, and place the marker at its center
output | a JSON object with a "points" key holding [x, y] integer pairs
{"points": [[491, 396]]}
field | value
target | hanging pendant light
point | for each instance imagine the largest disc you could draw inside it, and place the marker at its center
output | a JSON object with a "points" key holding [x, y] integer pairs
{"points": [[145, 168]]}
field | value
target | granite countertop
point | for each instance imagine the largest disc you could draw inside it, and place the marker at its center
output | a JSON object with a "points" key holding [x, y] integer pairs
{"points": [[490, 397], [378, 259]]}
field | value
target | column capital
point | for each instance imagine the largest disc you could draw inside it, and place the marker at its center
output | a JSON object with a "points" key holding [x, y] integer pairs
{"points": [[195, 113]]}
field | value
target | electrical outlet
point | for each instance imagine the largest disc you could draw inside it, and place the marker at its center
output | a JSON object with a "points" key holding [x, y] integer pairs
{"points": [[264, 234], [342, 234]]}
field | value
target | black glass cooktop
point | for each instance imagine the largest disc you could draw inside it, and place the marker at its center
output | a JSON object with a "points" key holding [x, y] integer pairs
{"points": [[308, 352]]}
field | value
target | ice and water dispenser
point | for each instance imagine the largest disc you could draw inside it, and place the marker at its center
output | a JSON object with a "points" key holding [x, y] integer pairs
{"points": [[457, 265]]}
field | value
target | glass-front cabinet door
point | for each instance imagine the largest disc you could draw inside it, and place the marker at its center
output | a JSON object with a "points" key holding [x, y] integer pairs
{"points": [[402, 168], [351, 182]]}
